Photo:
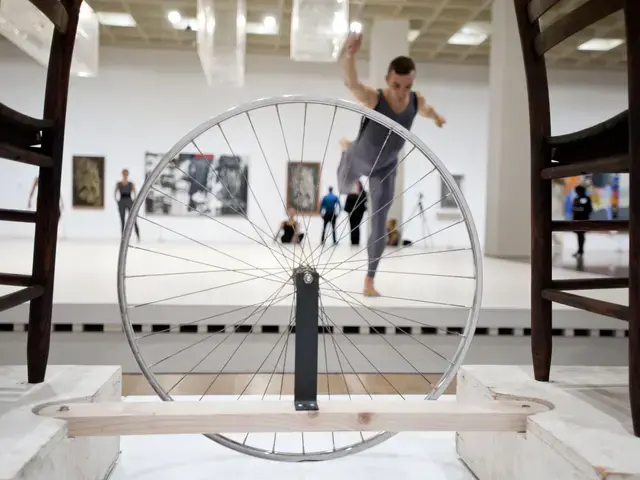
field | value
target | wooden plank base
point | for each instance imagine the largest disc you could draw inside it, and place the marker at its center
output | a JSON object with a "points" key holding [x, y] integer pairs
{"points": [[171, 418]]}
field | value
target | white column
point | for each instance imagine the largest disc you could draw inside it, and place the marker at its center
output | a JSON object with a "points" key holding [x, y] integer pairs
{"points": [[389, 39], [508, 215]]}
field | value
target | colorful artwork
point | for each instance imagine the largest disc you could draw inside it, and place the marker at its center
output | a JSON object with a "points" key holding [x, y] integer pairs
{"points": [[608, 192], [196, 184], [88, 182]]}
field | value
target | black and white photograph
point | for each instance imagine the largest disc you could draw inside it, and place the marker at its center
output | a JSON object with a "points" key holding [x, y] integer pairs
{"points": [[303, 187], [449, 202], [198, 184]]}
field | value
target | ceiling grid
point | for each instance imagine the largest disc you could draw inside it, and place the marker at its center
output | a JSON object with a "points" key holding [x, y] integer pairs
{"points": [[433, 24]]}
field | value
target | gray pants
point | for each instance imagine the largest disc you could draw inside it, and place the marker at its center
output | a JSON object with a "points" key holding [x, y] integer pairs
{"points": [[382, 186], [124, 205]]}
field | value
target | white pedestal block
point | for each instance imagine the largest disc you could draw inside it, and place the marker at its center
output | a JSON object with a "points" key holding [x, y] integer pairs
{"points": [[586, 435], [37, 448]]}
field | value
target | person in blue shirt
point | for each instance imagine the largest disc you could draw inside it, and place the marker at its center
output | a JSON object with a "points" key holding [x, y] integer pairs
{"points": [[329, 210]]}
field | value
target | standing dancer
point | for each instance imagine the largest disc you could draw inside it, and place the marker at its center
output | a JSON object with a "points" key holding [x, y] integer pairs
{"points": [[329, 210], [374, 153], [126, 189]]}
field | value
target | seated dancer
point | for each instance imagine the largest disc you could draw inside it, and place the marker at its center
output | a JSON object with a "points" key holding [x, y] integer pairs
{"points": [[365, 156], [392, 233], [290, 229], [394, 236]]}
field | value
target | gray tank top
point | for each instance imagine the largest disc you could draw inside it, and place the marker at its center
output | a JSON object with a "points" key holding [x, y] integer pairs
{"points": [[125, 190], [372, 135]]}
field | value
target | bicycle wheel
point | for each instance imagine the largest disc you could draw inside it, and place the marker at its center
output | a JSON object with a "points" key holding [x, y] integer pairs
{"points": [[246, 270]]}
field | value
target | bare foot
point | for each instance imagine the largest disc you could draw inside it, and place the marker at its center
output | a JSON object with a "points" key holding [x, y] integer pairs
{"points": [[369, 289]]}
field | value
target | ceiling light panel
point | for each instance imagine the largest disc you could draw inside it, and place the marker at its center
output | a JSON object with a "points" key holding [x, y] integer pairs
{"points": [[600, 44], [473, 33], [116, 19]]}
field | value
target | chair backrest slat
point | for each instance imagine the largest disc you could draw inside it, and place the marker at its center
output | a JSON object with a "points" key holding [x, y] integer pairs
{"points": [[537, 8], [54, 11], [582, 17]]}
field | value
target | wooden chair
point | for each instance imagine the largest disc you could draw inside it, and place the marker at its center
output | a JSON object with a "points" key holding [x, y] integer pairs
{"points": [[40, 142], [609, 147]]}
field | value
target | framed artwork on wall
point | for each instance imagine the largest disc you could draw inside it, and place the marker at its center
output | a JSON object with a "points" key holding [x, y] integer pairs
{"points": [[303, 187], [198, 184], [449, 202], [88, 182]]}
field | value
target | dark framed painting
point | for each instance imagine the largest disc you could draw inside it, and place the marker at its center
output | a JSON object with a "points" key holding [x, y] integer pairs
{"points": [[303, 187], [88, 182], [449, 202]]}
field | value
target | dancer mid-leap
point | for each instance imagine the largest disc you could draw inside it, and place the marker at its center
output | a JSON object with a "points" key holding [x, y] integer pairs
{"points": [[365, 156]]}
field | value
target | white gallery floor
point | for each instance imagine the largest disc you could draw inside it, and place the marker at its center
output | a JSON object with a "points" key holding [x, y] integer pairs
{"points": [[87, 321], [176, 283], [426, 292]]}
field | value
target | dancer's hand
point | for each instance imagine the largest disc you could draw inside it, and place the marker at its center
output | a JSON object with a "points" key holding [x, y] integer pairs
{"points": [[439, 120], [344, 143], [353, 44]]}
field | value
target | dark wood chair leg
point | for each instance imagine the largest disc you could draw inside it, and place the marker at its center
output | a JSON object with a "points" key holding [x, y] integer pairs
{"points": [[43, 273], [48, 210], [634, 294], [541, 260], [632, 20], [541, 324]]}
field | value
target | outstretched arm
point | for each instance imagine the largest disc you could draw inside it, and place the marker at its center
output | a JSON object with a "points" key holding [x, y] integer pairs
{"points": [[365, 94], [428, 111]]}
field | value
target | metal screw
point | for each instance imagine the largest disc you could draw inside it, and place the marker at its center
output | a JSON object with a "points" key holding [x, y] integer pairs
{"points": [[308, 278]]}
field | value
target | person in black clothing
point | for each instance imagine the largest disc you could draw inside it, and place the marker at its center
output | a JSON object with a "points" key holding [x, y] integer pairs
{"points": [[582, 210], [290, 230], [127, 190], [356, 206]]}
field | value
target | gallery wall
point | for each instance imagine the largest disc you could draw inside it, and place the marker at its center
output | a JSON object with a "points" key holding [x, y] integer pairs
{"points": [[144, 102]]}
